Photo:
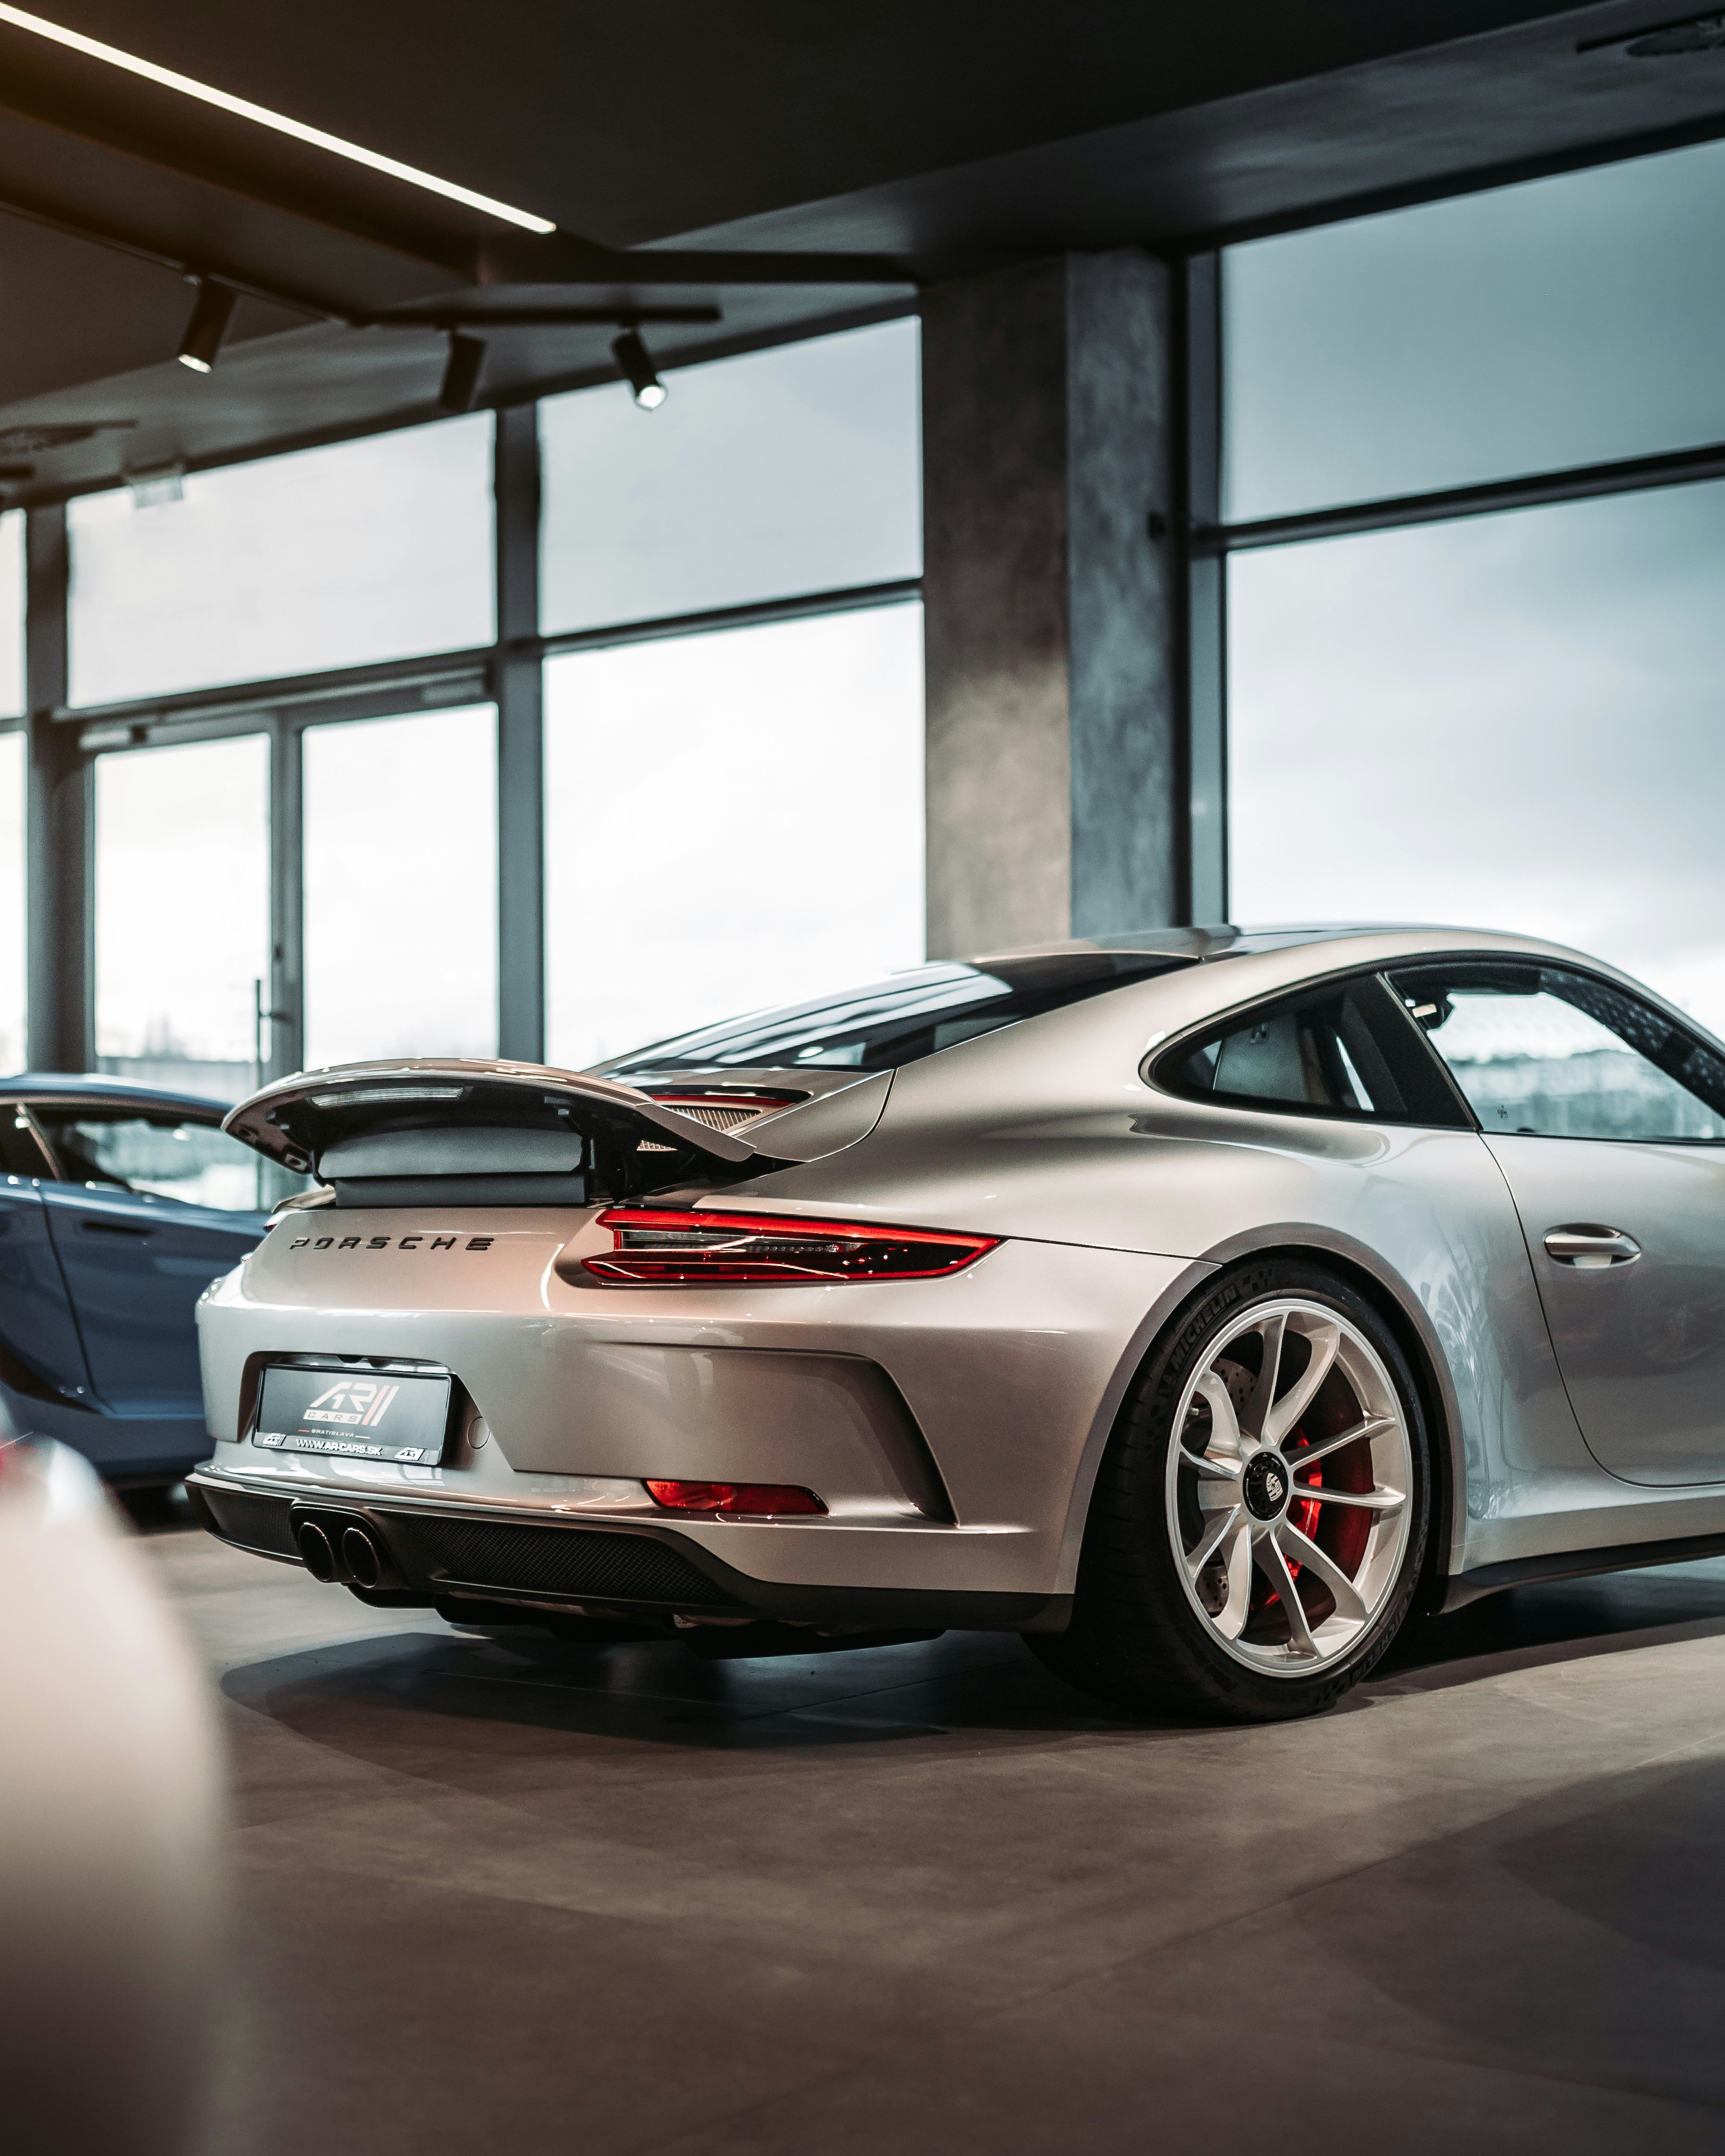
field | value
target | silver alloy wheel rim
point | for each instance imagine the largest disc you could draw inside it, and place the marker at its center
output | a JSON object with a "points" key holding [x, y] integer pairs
{"points": [[1288, 1483]]}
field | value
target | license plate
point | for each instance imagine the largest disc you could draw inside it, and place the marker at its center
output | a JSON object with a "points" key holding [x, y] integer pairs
{"points": [[369, 1417]]}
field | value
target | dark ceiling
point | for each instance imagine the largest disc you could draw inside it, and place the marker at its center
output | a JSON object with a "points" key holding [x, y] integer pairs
{"points": [[917, 141]]}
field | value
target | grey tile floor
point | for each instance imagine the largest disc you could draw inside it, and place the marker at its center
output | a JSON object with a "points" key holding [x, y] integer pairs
{"points": [[922, 1898]]}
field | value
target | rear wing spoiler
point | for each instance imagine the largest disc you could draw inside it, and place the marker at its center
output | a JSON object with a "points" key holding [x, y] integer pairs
{"points": [[407, 1131]]}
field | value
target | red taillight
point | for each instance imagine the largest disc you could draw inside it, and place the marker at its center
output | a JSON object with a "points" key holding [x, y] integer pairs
{"points": [[756, 1497], [666, 1249]]}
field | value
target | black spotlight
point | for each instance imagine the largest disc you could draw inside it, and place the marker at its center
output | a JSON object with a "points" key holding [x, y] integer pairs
{"points": [[460, 382], [635, 362], [211, 312]]}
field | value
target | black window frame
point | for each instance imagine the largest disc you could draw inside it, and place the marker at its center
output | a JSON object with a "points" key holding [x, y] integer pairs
{"points": [[1485, 964], [1399, 1040], [19, 1107]]}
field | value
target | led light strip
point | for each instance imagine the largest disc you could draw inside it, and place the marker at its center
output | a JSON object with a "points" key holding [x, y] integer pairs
{"points": [[94, 50]]}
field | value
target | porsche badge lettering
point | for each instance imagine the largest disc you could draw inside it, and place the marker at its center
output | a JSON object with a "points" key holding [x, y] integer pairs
{"points": [[383, 1242]]}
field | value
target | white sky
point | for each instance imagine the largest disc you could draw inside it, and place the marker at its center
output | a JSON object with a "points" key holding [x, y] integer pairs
{"points": [[182, 898], [795, 469], [374, 549], [400, 887], [1514, 721], [735, 820]]}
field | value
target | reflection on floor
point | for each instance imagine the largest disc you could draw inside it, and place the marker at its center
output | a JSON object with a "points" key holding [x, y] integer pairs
{"points": [[922, 1899]]}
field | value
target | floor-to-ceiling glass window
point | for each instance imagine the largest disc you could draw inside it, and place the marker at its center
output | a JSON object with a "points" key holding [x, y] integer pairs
{"points": [[401, 886], [733, 817], [182, 912], [1514, 719]]}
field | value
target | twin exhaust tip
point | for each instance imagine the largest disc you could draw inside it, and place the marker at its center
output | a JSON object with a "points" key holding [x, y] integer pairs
{"points": [[346, 1554]]}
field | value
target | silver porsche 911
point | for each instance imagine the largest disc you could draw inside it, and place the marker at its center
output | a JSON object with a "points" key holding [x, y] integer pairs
{"points": [[1196, 1304]]}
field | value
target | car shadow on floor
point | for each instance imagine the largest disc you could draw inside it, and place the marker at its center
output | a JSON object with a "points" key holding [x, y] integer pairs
{"points": [[657, 1692], [964, 1683], [1561, 1621]]}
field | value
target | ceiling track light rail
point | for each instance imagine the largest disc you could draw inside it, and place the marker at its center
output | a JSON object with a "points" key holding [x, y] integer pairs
{"points": [[458, 316], [140, 249], [569, 261]]}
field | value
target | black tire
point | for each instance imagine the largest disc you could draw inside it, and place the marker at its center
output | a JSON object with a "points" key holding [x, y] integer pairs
{"points": [[1135, 1639]]}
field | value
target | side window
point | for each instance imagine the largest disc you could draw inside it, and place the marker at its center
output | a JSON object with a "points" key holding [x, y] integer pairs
{"points": [[20, 1153], [167, 1155], [1544, 1052], [1341, 1050]]}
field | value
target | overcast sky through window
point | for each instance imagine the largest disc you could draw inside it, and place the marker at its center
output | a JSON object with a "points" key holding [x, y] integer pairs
{"points": [[367, 550], [183, 899], [401, 886], [1514, 721], [791, 470], [1562, 322], [1510, 722], [734, 820]]}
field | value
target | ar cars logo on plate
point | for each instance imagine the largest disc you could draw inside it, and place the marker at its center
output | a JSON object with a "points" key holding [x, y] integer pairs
{"points": [[355, 1403]]}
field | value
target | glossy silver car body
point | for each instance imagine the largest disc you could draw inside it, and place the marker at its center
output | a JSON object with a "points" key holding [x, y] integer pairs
{"points": [[954, 1425]]}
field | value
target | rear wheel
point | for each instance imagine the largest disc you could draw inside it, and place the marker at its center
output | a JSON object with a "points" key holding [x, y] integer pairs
{"points": [[1260, 1513]]}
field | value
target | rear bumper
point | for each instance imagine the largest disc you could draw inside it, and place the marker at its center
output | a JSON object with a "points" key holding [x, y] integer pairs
{"points": [[467, 1552], [948, 1425]]}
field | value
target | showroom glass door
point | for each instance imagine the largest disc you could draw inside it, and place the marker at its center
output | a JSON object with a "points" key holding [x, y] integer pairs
{"points": [[182, 957], [401, 886]]}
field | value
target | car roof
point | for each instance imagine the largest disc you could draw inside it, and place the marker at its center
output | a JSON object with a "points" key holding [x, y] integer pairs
{"points": [[1286, 957], [1224, 940], [92, 1085]]}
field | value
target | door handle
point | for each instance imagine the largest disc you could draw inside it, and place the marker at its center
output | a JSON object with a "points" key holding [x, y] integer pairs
{"points": [[112, 1228], [1590, 1249]]}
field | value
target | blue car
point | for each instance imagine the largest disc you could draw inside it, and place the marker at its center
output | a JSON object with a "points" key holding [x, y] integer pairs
{"points": [[119, 1204]]}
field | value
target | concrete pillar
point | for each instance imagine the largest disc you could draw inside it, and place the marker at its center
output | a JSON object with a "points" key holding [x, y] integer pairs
{"points": [[1049, 584], [518, 684], [59, 798]]}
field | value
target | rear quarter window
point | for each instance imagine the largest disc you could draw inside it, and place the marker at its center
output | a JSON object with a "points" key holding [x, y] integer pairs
{"points": [[1345, 1048]]}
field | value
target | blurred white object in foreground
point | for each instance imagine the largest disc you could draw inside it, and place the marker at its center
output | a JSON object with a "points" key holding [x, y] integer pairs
{"points": [[110, 1810]]}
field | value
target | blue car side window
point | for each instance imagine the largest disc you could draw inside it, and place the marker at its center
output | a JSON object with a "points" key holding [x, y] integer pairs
{"points": [[163, 1155]]}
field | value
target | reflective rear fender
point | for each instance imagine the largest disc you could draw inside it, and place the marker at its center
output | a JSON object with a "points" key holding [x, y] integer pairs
{"points": [[377, 1128]]}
